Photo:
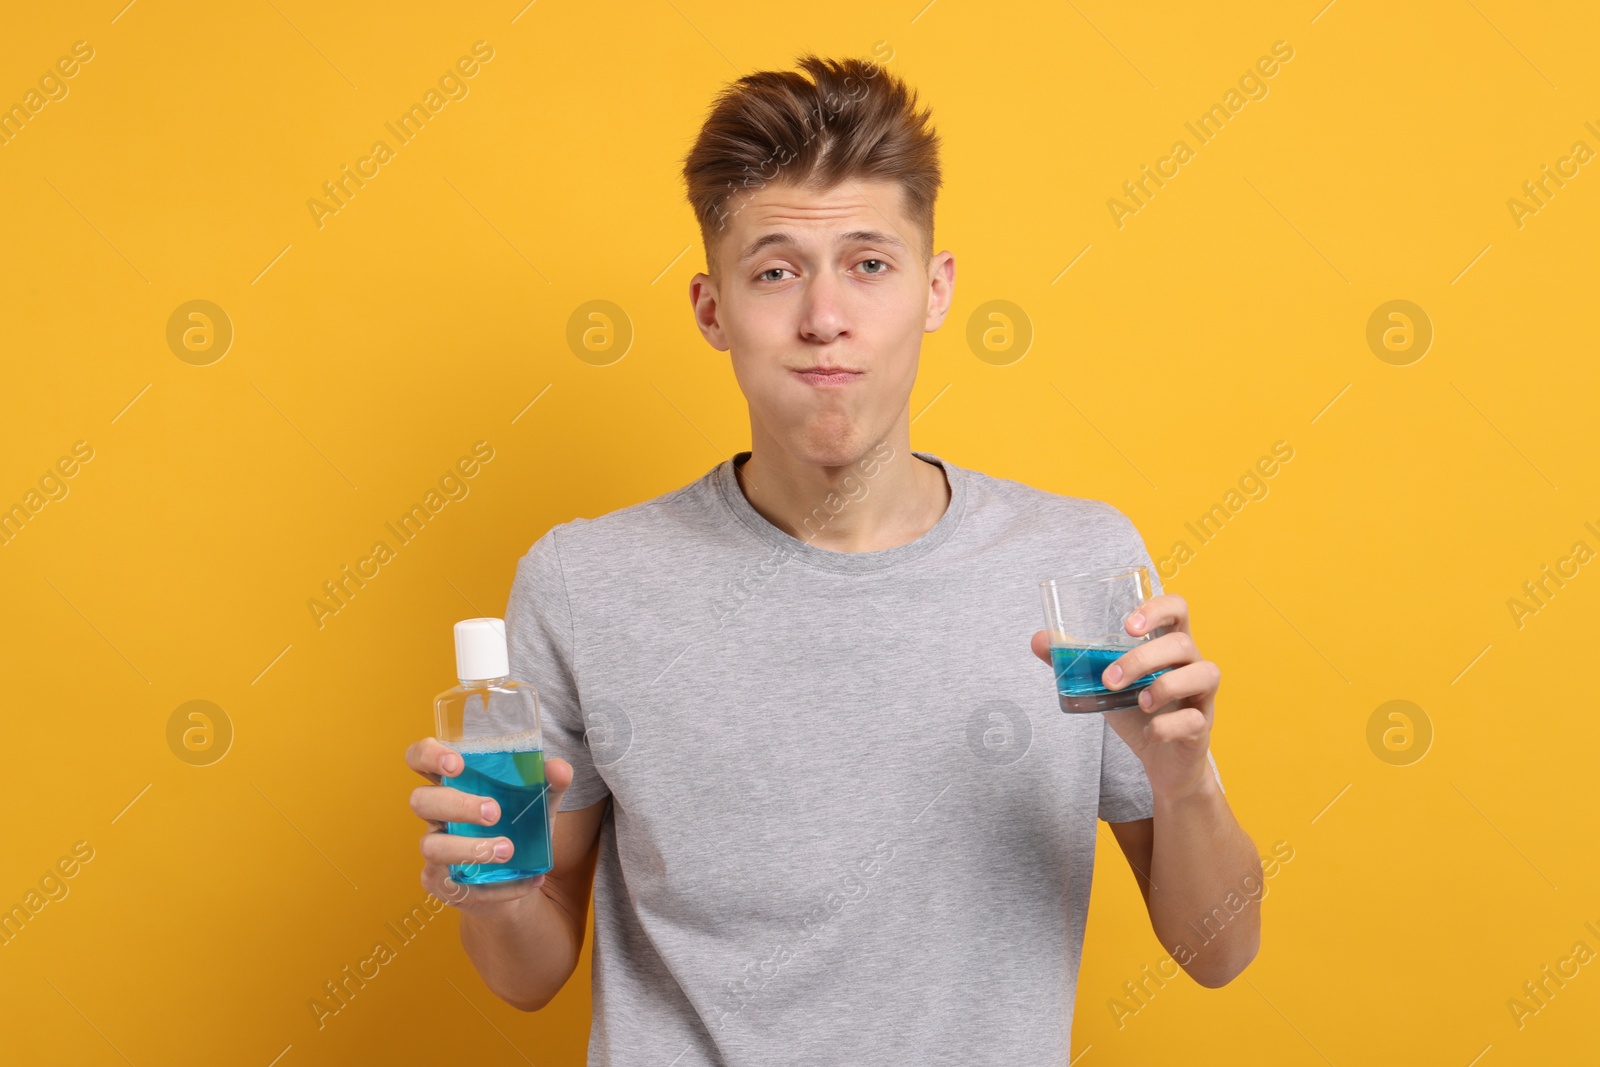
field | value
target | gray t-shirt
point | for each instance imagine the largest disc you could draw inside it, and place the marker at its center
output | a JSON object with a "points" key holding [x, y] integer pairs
{"points": [[848, 821]]}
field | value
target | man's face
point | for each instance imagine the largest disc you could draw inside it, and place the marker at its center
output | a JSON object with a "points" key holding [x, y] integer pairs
{"points": [[831, 279]]}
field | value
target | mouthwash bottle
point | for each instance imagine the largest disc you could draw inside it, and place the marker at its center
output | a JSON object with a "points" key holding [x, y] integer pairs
{"points": [[493, 721]]}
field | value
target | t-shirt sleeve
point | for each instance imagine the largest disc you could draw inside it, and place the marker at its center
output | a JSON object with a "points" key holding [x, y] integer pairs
{"points": [[1124, 787], [541, 639]]}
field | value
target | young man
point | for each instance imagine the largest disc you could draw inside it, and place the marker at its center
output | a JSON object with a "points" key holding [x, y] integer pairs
{"points": [[837, 814]]}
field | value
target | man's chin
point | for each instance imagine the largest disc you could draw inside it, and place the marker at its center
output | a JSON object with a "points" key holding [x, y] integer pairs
{"points": [[835, 449]]}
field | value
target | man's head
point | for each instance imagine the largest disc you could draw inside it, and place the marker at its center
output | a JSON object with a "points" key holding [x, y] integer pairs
{"points": [[815, 201]]}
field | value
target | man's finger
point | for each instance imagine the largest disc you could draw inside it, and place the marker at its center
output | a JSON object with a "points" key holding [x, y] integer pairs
{"points": [[557, 780], [442, 803], [1168, 650], [453, 848], [1181, 683], [1041, 644], [433, 759], [1169, 611]]}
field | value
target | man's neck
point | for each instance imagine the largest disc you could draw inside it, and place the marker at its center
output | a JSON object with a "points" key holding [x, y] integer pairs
{"points": [[866, 506]]}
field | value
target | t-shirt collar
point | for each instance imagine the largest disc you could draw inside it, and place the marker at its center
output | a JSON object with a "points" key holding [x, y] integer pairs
{"points": [[728, 491]]}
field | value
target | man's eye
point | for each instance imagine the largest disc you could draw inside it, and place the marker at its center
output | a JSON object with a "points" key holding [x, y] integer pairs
{"points": [[879, 262], [771, 270]]}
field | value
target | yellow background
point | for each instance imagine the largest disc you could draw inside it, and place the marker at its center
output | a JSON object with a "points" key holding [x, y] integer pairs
{"points": [[372, 352]]}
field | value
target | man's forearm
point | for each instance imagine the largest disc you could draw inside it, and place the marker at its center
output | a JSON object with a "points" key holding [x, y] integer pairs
{"points": [[1202, 866], [525, 951]]}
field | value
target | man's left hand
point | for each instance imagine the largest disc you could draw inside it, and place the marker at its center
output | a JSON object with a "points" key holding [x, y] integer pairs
{"points": [[1170, 731]]}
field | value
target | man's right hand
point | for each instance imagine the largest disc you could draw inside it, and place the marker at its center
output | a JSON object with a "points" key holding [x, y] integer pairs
{"points": [[438, 804]]}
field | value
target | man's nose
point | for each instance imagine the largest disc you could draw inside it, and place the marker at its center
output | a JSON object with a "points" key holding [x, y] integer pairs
{"points": [[823, 311]]}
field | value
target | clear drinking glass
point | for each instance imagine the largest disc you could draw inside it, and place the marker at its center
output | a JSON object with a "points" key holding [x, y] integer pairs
{"points": [[1086, 615]]}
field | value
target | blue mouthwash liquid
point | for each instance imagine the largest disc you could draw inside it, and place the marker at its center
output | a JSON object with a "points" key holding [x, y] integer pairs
{"points": [[1078, 686], [515, 780]]}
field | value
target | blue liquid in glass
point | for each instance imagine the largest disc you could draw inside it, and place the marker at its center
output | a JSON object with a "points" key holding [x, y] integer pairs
{"points": [[1078, 684], [515, 780]]}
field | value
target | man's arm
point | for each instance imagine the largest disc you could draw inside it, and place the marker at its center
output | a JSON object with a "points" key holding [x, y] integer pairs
{"points": [[1195, 866], [525, 949], [523, 936]]}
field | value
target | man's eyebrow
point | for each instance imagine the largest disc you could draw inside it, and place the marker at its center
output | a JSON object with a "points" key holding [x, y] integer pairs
{"points": [[781, 237], [871, 237]]}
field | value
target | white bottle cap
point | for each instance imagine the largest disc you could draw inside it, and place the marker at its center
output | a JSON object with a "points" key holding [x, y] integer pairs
{"points": [[481, 650]]}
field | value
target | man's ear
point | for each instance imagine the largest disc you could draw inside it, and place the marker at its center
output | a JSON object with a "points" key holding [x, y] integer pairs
{"points": [[703, 298], [941, 289]]}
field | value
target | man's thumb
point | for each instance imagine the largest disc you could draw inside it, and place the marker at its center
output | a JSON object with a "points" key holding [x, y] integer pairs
{"points": [[557, 778]]}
